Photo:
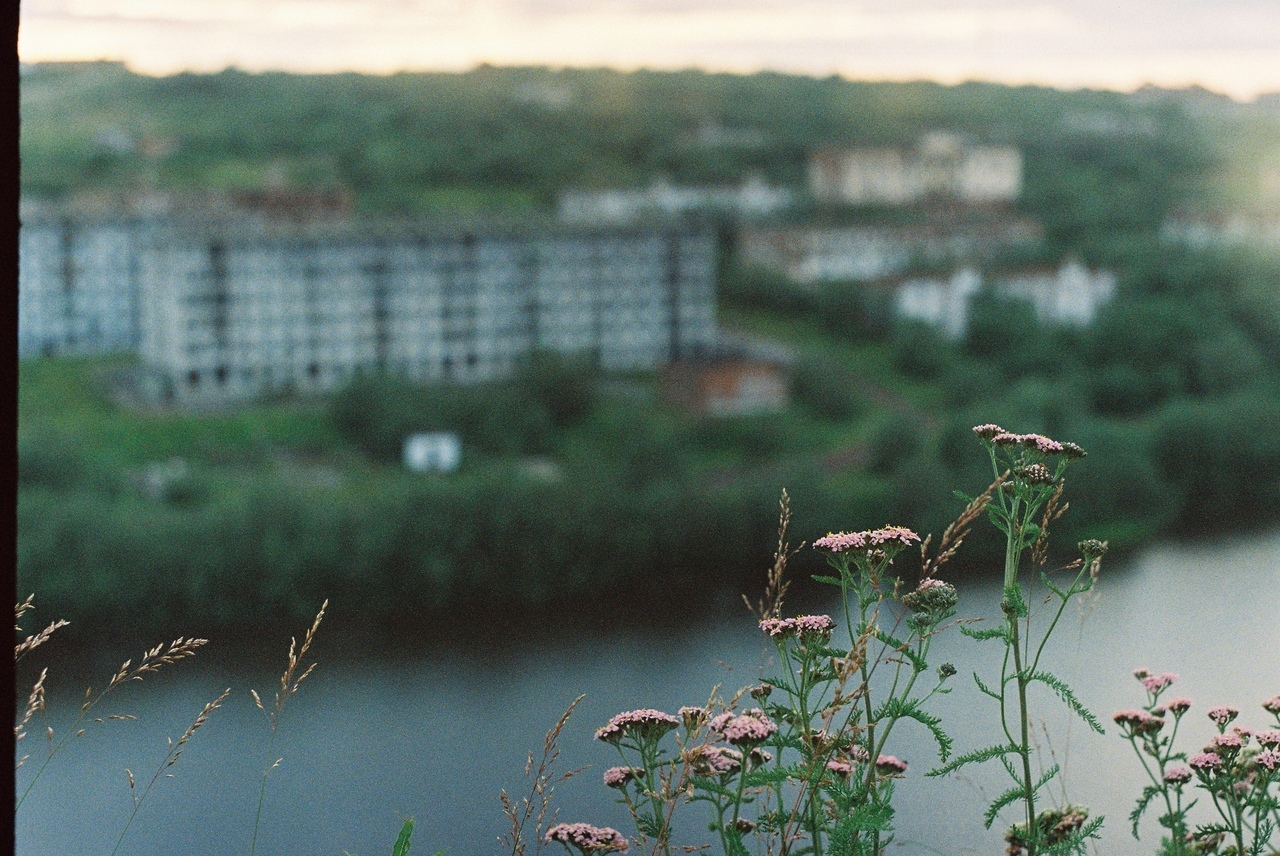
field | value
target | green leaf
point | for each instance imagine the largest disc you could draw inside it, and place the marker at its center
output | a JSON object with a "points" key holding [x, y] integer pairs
{"points": [[1149, 793], [828, 580], [987, 633], [985, 689], [904, 649], [897, 708], [401, 847], [1064, 692], [1005, 799], [975, 757]]}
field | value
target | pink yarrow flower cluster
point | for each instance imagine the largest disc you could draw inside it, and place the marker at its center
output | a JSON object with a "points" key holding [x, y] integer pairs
{"points": [[840, 768], [1178, 705], [1272, 705], [1156, 683], [616, 777], [588, 838], [1269, 738], [1138, 721], [749, 728], [1268, 759], [891, 765], [801, 625], [1222, 714], [1031, 441], [644, 724], [1177, 775], [1206, 761], [840, 542]]}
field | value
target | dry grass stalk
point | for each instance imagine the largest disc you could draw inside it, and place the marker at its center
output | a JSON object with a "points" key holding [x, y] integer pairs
{"points": [[20, 609], [35, 702], [1052, 511], [152, 660], [289, 686], [36, 640], [539, 797], [776, 584], [955, 533], [175, 750]]}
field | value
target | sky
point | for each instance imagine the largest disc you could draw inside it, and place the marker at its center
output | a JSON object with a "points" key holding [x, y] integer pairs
{"points": [[1230, 46]]}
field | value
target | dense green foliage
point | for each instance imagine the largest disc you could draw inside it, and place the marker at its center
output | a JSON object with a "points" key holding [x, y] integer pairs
{"points": [[1097, 163], [574, 486]]}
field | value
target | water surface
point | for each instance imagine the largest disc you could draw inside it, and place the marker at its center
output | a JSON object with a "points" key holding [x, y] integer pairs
{"points": [[437, 736]]}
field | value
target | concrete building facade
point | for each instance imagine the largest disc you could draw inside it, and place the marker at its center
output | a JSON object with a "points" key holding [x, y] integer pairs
{"points": [[221, 313], [77, 287], [940, 166]]}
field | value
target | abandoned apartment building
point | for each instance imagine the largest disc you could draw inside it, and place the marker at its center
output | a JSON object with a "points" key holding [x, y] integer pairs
{"points": [[222, 312]]}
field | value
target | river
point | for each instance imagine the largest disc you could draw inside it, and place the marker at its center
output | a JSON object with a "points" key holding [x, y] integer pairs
{"points": [[438, 736]]}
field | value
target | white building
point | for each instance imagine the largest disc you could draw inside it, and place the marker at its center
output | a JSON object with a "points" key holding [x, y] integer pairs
{"points": [[940, 166], [77, 287], [231, 311], [661, 199], [235, 316], [1070, 295], [806, 254]]}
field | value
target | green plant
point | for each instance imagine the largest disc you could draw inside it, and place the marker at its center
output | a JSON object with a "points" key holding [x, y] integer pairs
{"points": [[1237, 778], [1027, 499]]}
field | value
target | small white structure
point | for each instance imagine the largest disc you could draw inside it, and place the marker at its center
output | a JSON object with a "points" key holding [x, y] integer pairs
{"points": [[809, 254], [941, 165], [941, 303], [436, 452], [753, 198], [1071, 295]]}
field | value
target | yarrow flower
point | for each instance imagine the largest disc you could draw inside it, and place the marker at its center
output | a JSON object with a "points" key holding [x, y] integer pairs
{"points": [[1272, 705], [1269, 738], [1034, 474], [889, 534], [616, 777], [890, 765], [1231, 742], [749, 728], [838, 542], [587, 838], [693, 716], [801, 626], [1156, 683], [716, 760], [1138, 721], [840, 768], [1142, 673], [1206, 761], [1222, 714], [1268, 759], [1177, 775], [986, 432], [647, 724], [932, 597], [1178, 705]]}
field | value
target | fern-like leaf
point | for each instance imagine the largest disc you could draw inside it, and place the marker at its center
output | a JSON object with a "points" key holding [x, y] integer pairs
{"points": [[1064, 692], [975, 757]]}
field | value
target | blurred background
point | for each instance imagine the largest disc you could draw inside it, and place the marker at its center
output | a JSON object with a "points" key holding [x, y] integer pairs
{"points": [[503, 325]]}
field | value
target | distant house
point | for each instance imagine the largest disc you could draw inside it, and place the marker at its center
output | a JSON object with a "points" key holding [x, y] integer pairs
{"points": [[663, 200], [811, 254], [727, 386], [438, 452], [940, 166], [1069, 295]]}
